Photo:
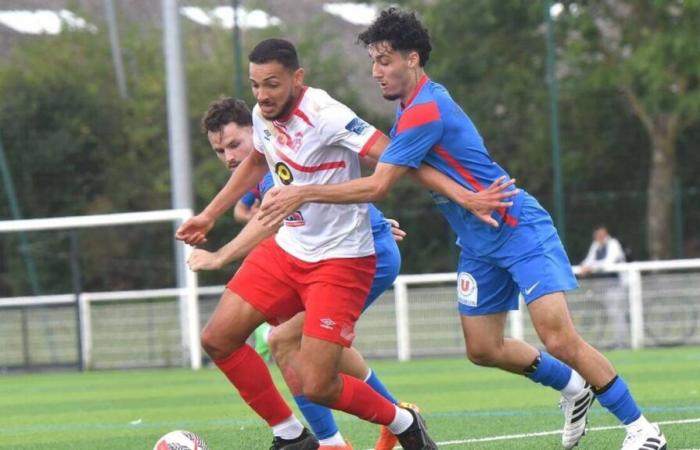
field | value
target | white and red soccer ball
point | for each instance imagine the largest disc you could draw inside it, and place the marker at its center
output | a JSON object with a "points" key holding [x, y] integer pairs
{"points": [[181, 440]]}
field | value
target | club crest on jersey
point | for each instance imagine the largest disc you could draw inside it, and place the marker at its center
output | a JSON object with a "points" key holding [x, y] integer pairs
{"points": [[295, 219], [467, 289], [357, 126], [284, 173]]}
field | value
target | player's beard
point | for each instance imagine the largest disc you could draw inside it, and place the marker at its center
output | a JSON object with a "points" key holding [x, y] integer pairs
{"points": [[391, 97], [288, 105]]}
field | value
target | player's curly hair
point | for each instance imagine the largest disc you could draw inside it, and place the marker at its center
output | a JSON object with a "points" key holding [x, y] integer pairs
{"points": [[402, 30], [224, 111]]}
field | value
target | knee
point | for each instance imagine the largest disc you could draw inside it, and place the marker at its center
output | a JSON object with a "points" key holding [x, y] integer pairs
{"points": [[214, 344], [481, 355], [563, 347], [280, 345], [320, 389]]}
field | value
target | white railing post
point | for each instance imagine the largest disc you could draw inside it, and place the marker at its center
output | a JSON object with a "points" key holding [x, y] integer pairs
{"points": [[516, 319], [85, 330], [636, 307], [189, 310], [403, 341]]}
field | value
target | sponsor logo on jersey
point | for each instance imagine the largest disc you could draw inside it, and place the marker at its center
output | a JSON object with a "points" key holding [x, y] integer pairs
{"points": [[467, 289], [357, 126], [284, 173], [295, 219]]}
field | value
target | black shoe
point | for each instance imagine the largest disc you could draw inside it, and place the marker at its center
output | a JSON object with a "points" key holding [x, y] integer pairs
{"points": [[416, 436], [305, 441]]}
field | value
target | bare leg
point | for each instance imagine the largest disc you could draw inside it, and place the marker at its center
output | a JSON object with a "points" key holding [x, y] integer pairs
{"points": [[486, 345], [552, 321]]}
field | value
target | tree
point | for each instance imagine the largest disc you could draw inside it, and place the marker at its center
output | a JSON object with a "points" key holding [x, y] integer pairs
{"points": [[647, 50]]}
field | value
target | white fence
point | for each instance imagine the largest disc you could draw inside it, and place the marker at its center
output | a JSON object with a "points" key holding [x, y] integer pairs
{"points": [[652, 304], [21, 336]]}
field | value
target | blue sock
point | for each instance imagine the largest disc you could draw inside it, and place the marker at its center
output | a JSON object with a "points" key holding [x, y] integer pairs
{"points": [[617, 399], [319, 417], [376, 384], [549, 371]]}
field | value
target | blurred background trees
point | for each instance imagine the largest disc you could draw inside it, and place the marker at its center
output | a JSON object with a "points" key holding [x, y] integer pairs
{"points": [[629, 123]]}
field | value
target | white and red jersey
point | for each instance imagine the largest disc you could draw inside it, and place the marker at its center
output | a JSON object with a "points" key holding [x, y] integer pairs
{"points": [[318, 142]]}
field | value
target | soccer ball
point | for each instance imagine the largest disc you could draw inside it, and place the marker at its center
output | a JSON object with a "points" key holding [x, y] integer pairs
{"points": [[180, 440]]}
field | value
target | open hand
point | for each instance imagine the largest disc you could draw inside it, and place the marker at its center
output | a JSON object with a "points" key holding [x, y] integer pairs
{"points": [[483, 203], [279, 203]]}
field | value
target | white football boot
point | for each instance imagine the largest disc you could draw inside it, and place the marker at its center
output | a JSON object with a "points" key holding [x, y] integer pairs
{"points": [[644, 438], [575, 416]]}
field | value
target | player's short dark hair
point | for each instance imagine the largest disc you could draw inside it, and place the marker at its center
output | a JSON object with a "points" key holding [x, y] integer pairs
{"points": [[278, 50], [402, 30], [224, 111]]}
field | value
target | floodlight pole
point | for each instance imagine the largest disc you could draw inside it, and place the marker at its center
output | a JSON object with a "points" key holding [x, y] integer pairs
{"points": [[180, 169], [116, 49], [559, 216], [238, 65]]}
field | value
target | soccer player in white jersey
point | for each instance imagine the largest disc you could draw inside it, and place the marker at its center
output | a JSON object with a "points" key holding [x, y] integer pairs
{"points": [[321, 261]]}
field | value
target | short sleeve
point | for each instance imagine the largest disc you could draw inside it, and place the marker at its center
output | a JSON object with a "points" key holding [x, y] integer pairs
{"points": [[249, 198], [265, 184], [413, 135], [339, 125]]}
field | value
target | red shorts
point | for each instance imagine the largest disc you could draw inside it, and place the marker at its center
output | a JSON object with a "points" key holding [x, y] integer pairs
{"points": [[332, 291]]}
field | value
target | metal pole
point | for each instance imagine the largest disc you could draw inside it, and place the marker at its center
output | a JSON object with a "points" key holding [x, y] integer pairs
{"points": [[116, 49], [238, 65], [180, 165], [17, 215], [552, 85]]}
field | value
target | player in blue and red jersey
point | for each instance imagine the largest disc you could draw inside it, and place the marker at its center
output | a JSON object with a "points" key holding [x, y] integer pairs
{"points": [[520, 255]]}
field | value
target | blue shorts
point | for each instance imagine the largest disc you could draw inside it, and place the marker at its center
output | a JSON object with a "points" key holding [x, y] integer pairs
{"points": [[531, 261], [388, 265]]}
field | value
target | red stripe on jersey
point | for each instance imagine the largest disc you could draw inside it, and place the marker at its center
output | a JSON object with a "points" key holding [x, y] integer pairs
{"points": [[368, 145], [424, 79], [449, 159], [418, 115], [300, 168], [299, 113]]}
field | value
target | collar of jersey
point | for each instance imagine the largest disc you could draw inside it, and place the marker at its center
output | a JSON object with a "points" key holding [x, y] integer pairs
{"points": [[424, 79], [294, 108]]}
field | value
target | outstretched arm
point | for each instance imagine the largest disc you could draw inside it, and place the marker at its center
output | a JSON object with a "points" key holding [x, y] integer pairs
{"points": [[251, 235], [245, 177], [280, 202], [481, 203]]}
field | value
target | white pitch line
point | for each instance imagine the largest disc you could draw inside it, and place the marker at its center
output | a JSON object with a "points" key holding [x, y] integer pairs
{"points": [[508, 437]]}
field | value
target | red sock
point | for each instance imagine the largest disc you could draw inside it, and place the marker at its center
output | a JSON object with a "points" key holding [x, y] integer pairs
{"points": [[247, 371], [359, 399]]}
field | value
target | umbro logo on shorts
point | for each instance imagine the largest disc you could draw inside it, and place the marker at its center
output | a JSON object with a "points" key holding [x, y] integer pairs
{"points": [[328, 324]]}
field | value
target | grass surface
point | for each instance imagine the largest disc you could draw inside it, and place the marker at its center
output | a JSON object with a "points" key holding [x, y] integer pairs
{"points": [[462, 404]]}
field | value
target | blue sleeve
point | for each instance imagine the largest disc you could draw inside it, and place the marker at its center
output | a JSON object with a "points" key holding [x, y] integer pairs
{"points": [[266, 184], [416, 132], [248, 199]]}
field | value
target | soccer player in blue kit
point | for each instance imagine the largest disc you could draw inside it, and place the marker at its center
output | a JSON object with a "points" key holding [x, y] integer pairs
{"points": [[522, 255]]}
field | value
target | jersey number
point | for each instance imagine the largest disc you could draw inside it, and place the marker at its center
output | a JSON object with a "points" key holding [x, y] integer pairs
{"points": [[283, 172]]}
